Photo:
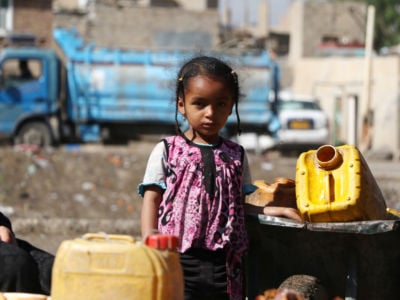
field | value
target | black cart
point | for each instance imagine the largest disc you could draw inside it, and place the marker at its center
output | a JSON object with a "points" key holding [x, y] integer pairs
{"points": [[352, 260]]}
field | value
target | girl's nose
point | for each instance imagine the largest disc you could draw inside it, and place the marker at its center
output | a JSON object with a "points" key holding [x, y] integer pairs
{"points": [[209, 110]]}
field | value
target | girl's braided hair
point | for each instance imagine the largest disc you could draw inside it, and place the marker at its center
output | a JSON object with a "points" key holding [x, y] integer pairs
{"points": [[212, 67]]}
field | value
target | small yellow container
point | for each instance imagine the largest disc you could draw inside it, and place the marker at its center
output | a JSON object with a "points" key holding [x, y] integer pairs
{"points": [[335, 184], [107, 267]]}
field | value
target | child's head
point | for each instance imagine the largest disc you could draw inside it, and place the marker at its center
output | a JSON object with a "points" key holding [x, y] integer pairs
{"points": [[211, 67]]}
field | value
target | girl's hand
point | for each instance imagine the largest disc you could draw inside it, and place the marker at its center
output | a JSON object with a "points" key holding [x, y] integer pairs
{"points": [[286, 212], [274, 211], [6, 236]]}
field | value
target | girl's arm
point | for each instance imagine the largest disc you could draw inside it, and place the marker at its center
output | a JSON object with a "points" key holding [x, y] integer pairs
{"points": [[151, 201]]}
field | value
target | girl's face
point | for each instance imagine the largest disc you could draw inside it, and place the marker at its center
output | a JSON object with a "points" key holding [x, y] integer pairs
{"points": [[207, 105]]}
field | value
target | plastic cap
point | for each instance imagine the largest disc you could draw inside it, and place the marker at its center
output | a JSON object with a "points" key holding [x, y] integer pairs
{"points": [[162, 241]]}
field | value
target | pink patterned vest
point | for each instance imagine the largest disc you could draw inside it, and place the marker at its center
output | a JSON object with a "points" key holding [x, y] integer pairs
{"points": [[202, 203]]}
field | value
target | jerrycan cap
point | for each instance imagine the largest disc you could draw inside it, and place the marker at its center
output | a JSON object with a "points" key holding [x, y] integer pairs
{"points": [[162, 241]]}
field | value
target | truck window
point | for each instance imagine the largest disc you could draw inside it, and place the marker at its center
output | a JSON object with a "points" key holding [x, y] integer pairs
{"points": [[18, 71]]}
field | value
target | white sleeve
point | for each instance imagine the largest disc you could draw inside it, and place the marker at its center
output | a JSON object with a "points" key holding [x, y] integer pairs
{"points": [[248, 186], [155, 169]]}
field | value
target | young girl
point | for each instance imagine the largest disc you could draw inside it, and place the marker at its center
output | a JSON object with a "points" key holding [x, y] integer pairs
{"points": [[196, 181]]}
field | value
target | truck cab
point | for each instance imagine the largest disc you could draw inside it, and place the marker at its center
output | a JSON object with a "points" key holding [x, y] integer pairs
{"points": [[29, 85]]}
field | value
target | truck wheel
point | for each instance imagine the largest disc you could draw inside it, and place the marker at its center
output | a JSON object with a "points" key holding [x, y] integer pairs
{"points": [[35, 133], [309, 286]]}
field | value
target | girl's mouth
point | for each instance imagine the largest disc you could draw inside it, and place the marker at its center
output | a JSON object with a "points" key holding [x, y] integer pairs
{"points": [[209, 125]]}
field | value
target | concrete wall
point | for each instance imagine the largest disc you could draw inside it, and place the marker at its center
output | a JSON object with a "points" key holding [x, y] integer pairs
{"points": [[136, 24], [124, 24], [310, 21], [143, 27], [335, 78]]}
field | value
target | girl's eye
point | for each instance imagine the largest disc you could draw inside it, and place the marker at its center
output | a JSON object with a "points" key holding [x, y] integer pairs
{"points": [[198, 104], [222, 103]]}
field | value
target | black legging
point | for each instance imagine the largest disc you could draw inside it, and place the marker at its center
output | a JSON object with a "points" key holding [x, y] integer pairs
{"points": [[25, 268], [204, 274]]}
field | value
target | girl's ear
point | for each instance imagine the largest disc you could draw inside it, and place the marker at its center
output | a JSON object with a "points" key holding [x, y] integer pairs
{"points": [[181, 106]]}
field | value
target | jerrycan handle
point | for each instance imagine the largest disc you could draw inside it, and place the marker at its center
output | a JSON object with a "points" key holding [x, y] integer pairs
{"points": [[22, 296], [162, 241], [102, 236]]}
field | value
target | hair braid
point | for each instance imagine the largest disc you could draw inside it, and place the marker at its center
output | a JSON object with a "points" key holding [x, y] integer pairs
{"points": [[236, 96], [179, 91]]}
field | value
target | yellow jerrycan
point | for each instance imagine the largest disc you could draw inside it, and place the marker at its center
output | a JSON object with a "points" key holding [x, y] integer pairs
{"points": [[106, 267], [335, 184]]}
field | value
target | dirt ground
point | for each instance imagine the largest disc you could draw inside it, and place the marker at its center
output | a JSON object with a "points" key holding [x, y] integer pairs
{"points": [[52, 195]]}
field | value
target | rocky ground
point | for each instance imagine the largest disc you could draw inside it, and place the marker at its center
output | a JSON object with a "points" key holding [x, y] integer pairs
{"points": [[52, 195]]}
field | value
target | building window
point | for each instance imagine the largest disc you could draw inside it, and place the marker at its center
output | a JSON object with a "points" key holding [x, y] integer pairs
{"points": [[5, 16]]}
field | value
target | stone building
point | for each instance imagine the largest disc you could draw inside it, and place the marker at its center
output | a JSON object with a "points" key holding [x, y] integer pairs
{"points": [[26, 22], [141, 24], [349, 85], [181, 24], [314, 24]]}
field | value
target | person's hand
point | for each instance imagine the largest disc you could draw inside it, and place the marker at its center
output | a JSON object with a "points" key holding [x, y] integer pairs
{"points": [[7, 236], [286, 212]]}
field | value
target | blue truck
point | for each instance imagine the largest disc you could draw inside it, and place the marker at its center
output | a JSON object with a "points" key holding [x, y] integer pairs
{"points": [[82, 93]]}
